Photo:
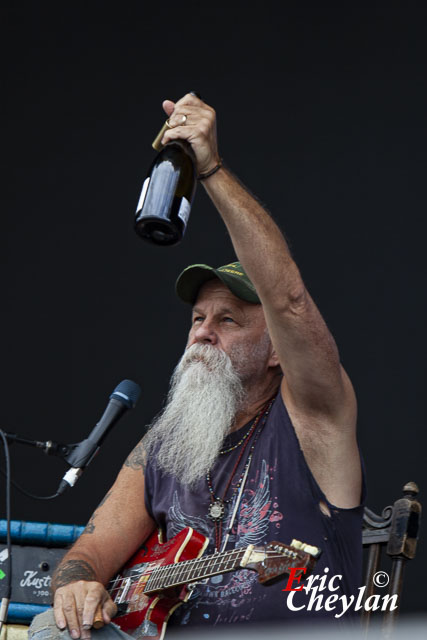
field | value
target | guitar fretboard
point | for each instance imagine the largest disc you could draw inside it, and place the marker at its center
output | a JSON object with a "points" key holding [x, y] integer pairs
{"points": [[173, 575]]}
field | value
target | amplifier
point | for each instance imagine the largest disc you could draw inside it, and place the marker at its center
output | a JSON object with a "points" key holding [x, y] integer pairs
{"points": [[37, 547]]}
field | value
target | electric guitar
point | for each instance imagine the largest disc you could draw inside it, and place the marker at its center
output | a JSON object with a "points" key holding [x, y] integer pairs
{"points": [[154, 582]]}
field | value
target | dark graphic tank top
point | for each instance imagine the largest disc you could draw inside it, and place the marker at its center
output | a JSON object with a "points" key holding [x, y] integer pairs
{"points": [[280, 502]]}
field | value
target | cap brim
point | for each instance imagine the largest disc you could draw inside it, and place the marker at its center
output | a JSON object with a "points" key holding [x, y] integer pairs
{"points": [[193, 277]]}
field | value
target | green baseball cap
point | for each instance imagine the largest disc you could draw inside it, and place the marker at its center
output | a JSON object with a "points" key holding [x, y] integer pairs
{"points": [[232, 275]]}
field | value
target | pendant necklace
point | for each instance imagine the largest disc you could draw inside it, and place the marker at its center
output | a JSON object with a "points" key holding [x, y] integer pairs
{"points": [[217, 506]]}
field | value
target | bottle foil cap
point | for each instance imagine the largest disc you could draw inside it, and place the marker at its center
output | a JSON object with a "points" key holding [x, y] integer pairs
{"points": [[157, 142]]}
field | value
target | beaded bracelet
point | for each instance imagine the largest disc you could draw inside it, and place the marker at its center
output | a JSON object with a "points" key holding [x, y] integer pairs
{"points": [[203, 176]]}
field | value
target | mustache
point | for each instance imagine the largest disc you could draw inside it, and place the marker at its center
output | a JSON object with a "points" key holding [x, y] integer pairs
{"points": [[199, 351], [212, 357]]}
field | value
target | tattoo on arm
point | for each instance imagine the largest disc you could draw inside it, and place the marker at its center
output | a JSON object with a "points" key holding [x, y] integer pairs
{"points": [[90, 527], [137, 458], [72, 571]]}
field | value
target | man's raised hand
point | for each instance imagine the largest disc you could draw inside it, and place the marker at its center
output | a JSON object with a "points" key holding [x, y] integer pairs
{"points": [[193, 120]]}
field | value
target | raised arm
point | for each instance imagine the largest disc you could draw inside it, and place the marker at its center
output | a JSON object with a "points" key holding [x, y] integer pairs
{"points": [[115, 531], [315, 388]]}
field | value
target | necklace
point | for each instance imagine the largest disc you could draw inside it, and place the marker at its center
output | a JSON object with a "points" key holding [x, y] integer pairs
{"points": [[216, 510], [235, 446]]}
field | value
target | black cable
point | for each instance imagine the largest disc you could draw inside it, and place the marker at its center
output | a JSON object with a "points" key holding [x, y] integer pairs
{"points": [[27, 493], [5, 600]]}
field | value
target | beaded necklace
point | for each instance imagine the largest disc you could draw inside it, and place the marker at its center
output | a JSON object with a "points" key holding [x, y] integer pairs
{"points": [[235, 446], [216, 511]]}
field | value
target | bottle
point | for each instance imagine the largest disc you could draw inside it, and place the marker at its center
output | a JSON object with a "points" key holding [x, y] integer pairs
{"points": [[167, 194]]}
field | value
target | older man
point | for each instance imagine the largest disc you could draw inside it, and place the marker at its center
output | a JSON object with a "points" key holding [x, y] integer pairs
{"points": [[258, 437]]}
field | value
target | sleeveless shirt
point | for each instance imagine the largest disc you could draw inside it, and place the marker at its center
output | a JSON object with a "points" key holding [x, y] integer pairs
{"points": [[280, 501]]}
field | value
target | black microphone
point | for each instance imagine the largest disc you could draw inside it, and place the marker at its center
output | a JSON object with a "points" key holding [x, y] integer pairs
{"points": [[124, 397]]}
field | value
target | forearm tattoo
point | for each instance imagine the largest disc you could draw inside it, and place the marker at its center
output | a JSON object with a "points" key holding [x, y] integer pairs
{"points": [[90, 527], [137, 458], [71, 571]]}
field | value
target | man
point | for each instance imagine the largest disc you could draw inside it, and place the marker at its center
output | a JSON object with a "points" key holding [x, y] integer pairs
{"points": [[260, 423]]}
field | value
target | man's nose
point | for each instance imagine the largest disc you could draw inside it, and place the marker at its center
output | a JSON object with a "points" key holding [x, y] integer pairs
{"points": [[205, 334]]}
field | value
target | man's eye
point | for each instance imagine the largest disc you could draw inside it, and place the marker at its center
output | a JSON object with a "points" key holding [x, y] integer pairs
{"points": [[228, 319], [197, 319]]}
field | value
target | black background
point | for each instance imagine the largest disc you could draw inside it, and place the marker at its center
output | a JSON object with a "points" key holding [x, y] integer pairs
{"points": [[321, 112]]}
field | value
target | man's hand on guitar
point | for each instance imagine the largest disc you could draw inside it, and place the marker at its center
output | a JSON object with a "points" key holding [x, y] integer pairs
{"points": [[80, 605]]}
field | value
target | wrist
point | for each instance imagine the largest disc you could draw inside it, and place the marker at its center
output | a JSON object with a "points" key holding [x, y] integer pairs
{"points": [[210, 172]]}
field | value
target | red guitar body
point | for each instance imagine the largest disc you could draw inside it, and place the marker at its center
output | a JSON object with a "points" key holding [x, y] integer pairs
{"points": [[154, 582], [147, 615]]}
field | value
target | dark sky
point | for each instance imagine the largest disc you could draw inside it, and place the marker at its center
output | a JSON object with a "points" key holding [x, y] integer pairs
{"points": [[321, 112]]}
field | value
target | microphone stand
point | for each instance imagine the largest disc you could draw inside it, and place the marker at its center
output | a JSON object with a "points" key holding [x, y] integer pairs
{"points": [[49, 447], [78, 456]]}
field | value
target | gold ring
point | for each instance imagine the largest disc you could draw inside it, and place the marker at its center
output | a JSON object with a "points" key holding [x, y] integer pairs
{"points": [[171, 126]]}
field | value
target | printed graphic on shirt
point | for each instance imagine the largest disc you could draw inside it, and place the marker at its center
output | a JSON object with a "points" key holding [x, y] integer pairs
{"points": [[257, 514], [257, 510], [178, 520]]}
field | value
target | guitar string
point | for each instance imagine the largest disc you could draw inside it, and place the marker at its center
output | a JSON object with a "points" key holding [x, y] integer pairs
{"points": [[271, 556], [155, 589], [187, 567], [200, 561], [187, 562], [188, 579], [129, 592]]}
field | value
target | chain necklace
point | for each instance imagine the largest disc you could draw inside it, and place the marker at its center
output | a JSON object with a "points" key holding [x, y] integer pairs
{"points": [[216, 511], [235, 446]]}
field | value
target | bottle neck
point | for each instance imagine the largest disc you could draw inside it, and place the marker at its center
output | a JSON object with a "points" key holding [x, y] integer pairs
{"points": [[185, 146]]}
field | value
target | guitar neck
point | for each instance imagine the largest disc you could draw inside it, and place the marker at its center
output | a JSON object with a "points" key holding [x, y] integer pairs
{"points": [[174, 575]]}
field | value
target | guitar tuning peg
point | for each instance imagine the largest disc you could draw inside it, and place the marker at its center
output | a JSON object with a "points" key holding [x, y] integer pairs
{"points": [[307, 548], [297, 544], [312, 550]]}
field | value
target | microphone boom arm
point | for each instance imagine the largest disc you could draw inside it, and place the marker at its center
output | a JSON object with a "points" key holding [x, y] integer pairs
{"points": [[50, 447]]}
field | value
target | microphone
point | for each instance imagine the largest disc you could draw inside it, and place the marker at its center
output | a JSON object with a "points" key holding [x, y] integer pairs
{"points": [[124, 397]]}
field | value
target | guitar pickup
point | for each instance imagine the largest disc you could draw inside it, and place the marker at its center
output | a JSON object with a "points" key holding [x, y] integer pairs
{"points": [[306, 548]]}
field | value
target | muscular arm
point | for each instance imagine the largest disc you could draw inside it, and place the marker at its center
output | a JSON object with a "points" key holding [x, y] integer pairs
{"points": [[117, 528], [315, 388], [313, 379]]}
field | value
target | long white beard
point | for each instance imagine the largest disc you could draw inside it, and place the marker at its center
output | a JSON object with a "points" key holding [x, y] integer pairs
{"points": [[205, 395]]}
